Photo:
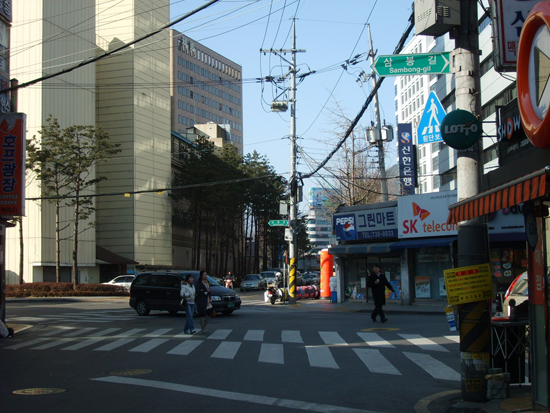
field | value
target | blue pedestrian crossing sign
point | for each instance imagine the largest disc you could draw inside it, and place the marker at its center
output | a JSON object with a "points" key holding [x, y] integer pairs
{"points": [[429, 128]]}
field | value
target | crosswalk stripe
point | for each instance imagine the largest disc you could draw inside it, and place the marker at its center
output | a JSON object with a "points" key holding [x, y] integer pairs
{"points": [[149, 345], [27, 343], [374, 340], [321, 357], [57, 329], [183, 349], [332, 338], [272, 353], [115, 344], [254, 335], [158, 333], [219, 334], [227, 350], [291, 336], [456, 339], [54, 343], [423, 343], [79, 332], [375, 361], [433, 367]]}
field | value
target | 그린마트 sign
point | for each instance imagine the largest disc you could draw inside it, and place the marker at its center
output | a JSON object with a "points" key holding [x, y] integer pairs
{"points": [[469, 284]]}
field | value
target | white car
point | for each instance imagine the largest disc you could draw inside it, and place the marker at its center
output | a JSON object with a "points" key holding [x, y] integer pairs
{"points": [[122, 281]]}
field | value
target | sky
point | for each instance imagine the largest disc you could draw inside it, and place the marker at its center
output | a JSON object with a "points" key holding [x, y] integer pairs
{"points": [[331, 33]]}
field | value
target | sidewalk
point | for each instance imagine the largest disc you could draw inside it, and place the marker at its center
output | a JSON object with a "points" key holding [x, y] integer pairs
{"points": [[520, 397]]}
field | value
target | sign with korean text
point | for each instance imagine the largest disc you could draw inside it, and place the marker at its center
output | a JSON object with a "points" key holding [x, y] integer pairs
{"points": [[469, 284], [425, 215], [407, 162], [412, 64], [278, 223], [429, 127], [508, 17], [12, 164], [365, 224]]}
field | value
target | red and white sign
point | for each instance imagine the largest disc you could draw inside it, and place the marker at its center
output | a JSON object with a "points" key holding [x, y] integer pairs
{"points": [[533, 74], [12, 164], [425, 215]]}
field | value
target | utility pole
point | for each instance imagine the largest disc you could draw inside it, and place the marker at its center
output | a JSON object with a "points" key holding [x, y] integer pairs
{"points": [[475, 319], [378, 127], [292, 247]]}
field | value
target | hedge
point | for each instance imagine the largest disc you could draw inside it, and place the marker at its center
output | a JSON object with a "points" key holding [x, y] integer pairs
{"points": [[50, 289]]}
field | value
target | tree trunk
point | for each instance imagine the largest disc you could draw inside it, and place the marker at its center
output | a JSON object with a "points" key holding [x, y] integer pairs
{"points": [[57, 244], [75, 240]]}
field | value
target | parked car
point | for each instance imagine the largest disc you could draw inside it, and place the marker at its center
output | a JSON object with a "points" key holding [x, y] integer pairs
{"points": [[517, 291], [310, 278], [253, 282], [160, 290], [270, 276], [122, 281]]}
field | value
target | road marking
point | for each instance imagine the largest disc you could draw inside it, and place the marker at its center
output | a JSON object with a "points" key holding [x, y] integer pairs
{"points": [[149, 345], [227, 350], [55, 330], [433, 367], [374, 340], [94, 339], [27, 343], [456, 339], [234, 396], [375, 361], [254, 335], [186, 347], [54, 343], [423, 343], [115, 344], [291, 336], [219, 334], [79, 332], [272, 353], [321, 357], [332, 338], [158, 333]]}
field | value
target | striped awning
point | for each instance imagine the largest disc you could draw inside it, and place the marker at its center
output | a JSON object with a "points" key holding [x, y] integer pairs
{"points": [[512, 193]]}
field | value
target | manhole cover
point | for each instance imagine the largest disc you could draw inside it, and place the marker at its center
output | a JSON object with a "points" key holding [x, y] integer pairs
{"points": [[130, 372], [38, 392], [380, 329]]}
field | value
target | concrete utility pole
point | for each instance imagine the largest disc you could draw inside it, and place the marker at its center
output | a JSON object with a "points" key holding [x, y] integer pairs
{"points": [[475, 318], [292, 247], [378, 127]]}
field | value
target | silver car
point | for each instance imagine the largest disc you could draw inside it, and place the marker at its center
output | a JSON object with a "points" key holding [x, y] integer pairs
{"points": [[122, 281], [253, 282]]}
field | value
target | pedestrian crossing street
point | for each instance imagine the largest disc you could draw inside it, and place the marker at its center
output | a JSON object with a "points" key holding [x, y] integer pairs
{"points": [[322, 349]]}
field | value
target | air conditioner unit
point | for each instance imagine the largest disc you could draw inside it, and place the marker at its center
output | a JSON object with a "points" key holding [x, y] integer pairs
{"points": [[435, 17]]}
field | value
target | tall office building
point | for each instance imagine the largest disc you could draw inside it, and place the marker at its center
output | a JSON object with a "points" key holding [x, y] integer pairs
{"points": [[206, 90], [119, 93]]}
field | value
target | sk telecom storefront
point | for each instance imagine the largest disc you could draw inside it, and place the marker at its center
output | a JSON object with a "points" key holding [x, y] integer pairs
{"points": [[364, 234]]}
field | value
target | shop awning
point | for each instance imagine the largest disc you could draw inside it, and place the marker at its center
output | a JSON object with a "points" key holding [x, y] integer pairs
{"points": [[109, 257], [509, 194], [424, 242], [379, 247]]}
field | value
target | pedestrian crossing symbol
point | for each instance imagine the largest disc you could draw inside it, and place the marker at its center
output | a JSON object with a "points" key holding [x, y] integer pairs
{"points": [[429, 128]]}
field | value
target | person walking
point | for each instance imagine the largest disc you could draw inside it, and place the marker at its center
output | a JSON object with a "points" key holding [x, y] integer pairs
{"points": [[378, 283], [188, 293], [204, 305]]}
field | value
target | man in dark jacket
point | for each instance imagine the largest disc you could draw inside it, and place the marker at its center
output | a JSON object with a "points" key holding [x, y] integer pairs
{"points": [[378, 283]]}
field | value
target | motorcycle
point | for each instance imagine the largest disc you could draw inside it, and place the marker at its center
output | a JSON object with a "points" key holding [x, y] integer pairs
{"points": [[274, 292], [228, 283]]}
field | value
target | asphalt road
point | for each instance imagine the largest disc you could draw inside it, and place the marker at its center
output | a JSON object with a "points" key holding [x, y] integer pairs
{"points": [[101, 356]]}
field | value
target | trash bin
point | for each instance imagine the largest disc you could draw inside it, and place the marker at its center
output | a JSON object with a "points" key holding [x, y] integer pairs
{"points": [[333, 289]]}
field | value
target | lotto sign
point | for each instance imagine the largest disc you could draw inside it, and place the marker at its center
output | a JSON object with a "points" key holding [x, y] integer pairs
{"points": [[12, 164], [469, 284]]}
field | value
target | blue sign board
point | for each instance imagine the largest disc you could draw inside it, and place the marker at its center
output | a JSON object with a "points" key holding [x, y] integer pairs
{"points": [[429, 128], [407, 170], [366, 224]]}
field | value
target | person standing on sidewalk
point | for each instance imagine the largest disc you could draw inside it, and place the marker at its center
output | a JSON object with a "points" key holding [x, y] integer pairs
{"points": [[188, 292], [378, 283], [204, 305]]}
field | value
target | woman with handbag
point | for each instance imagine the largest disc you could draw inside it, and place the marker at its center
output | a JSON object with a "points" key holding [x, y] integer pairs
{"points": [[187, 293], [204, 305]]}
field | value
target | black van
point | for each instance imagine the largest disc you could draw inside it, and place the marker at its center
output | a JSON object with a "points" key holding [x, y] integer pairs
{"points": [[160, 290]]}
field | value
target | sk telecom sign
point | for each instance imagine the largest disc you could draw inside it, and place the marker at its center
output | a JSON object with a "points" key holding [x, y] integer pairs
{"points": [[425, 215], [12, 164], [412, 64]]}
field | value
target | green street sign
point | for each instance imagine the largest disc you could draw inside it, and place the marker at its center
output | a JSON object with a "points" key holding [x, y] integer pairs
{"points": [[413, 64], [278, 223]]}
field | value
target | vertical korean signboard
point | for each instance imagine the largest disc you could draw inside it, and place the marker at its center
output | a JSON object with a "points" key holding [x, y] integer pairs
{"points": [[12, 164], [407, 169]]}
